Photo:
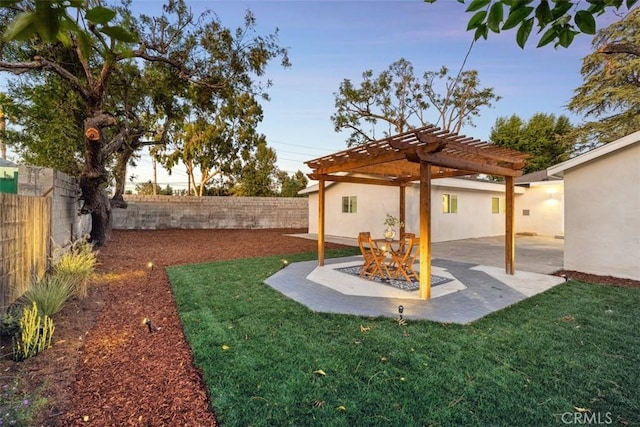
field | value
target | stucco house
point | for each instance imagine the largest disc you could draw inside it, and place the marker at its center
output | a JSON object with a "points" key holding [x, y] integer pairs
{"points": [[602, 209], [463, 207]]}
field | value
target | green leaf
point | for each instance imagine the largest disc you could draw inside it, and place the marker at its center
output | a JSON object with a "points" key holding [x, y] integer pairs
{"points": [[523, 32], [481, 31], [516, 16], [8, 3], [565, 38], [100, 15], [21, 28], [562, 7], [548, 37], [47, 22], [496, 14], [586, 22], [477, 20], [119, 33], [543, 14], [477, 4]]}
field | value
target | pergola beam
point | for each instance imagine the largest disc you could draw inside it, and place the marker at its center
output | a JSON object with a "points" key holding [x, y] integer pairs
{"points": [[353, 179]]}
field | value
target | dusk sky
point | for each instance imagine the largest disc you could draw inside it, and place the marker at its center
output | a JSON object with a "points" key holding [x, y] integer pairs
{"points": [[329, 41]]}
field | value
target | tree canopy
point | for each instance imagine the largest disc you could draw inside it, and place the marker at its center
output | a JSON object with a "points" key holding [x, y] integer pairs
{"points": [[558, 21], [99, 53], [398, 99], [609, 97], [543, 136]]}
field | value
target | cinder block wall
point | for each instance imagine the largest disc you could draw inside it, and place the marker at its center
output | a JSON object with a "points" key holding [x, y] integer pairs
{"points": [[161, 212], [66, 225]]}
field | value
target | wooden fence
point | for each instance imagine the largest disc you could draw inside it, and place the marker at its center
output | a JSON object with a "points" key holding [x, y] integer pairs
{"points": [[25, 237]]}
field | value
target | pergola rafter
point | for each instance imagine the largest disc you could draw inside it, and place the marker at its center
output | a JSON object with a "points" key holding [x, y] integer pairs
{"points": [[420, 155]]}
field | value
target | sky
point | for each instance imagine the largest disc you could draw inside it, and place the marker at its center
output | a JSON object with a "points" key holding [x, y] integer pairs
{"points": [[330, 41]]}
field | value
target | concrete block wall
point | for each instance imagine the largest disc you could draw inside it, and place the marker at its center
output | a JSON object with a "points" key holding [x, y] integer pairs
{"points": [[162, 212], [66, 225]]}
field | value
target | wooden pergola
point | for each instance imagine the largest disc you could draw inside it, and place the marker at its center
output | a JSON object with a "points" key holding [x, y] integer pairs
{"points": [[420, 155]]}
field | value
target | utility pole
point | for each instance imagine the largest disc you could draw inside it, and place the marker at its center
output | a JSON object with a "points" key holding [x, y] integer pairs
{"points": [[155, 178], [3, 126]]}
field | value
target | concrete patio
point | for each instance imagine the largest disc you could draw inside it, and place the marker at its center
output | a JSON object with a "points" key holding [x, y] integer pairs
{"points": [[478, 285]]}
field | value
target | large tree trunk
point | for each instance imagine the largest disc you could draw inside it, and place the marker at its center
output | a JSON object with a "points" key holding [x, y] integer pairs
{"points": [[94, 178]]}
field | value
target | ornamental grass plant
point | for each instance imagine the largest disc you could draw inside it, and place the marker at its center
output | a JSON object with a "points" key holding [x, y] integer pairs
{"points": [[77, 265], [49, 294]]}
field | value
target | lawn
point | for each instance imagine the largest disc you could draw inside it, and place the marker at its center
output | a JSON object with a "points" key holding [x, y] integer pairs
{"points": [[570, 354]]}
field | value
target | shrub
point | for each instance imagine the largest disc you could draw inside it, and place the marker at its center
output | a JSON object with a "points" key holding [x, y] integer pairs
{"points": [[9, 325], [49, 294], [35, 334], [17, 408], [77, 265]]}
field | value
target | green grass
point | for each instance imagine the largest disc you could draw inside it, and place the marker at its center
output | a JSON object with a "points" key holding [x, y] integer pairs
{"points": [[575, 346]]}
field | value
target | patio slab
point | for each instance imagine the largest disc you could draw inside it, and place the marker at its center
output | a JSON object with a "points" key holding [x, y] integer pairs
{"points": [[474, 291]]}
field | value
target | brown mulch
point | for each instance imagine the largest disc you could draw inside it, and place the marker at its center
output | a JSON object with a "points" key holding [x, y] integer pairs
{"points": [[598, 280], [105, 368]]}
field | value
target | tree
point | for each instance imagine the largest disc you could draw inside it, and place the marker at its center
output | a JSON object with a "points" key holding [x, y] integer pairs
{"points": [[214, 140], [561, 20], [610, 93], [399, 99], [542, 136], [84, 49], [256, 176], [290, 185], [146, 189]]}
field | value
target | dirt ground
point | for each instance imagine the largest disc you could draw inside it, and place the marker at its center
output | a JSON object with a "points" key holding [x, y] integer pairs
{"points": [[106, 369]]}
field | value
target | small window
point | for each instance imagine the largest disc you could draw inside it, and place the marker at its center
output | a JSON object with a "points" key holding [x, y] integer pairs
{"points": [[349, 204], [449, 203], [526, 212], [495, 205]]}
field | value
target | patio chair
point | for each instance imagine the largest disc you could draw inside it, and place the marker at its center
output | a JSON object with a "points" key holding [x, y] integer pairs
{"points": [[403, 261], [374, 258], [363, 239]]}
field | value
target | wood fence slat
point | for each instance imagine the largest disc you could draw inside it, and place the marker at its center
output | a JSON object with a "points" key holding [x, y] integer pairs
{"points": [[24, 243]]}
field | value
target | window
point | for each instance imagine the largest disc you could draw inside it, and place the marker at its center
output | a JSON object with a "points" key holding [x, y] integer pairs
{"points": [[526, 212], [349, 204], [449, 203], [495, 205]]}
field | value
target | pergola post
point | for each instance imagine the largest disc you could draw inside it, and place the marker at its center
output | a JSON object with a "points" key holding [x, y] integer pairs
{"points": [[425, 230], [321, 222], [403, 207], [509, 229]]}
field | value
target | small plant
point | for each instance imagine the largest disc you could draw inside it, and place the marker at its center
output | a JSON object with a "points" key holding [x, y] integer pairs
{"points": [[77, 265], [9, 325], [17, 407], [49, 294], [392, 221], [35, 334]]}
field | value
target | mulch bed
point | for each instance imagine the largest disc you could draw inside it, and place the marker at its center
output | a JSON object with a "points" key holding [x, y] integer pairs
{"points": [[105, 368]]}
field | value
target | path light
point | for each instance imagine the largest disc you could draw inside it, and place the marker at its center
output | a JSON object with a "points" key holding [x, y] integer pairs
{"points": [[564, 276], [284, 263], [400, 310], [151, 265], [148, 323]]}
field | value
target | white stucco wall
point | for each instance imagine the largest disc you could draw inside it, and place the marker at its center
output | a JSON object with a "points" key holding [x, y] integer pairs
{"points": [[473, 219], [544, 202], [602, 215]]}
